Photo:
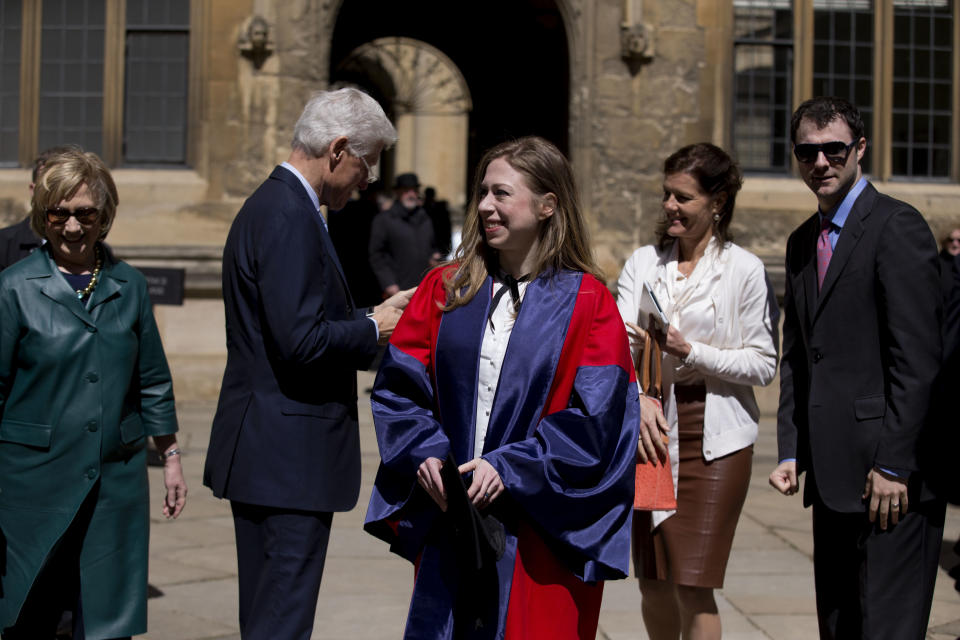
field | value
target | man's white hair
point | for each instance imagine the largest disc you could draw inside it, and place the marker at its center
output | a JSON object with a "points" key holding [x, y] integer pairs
{"points": [[344, 112]]}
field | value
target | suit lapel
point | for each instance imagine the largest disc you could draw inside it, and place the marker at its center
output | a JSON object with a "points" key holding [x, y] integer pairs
{"points": [[849, 237], [805, 268], [332, 252], [285, 176]]}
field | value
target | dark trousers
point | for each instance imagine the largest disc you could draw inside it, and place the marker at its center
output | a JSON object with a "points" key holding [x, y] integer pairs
{"points": [[280, 557], [871, 583]]}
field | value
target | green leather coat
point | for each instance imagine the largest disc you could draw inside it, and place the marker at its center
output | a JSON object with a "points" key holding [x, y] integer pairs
{"points": [[80, 388]]}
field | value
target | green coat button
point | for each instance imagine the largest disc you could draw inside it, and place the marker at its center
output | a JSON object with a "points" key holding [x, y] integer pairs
{"points": [[92, 377], [92, 425], [91, 473]]}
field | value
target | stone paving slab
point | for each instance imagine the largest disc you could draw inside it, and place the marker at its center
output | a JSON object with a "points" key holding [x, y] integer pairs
{"points": [[366, 590]]}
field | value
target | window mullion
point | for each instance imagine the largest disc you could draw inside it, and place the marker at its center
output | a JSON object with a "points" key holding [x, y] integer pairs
{"points": [[803, 57], [113, 79], [29, 81], [882, 132]]}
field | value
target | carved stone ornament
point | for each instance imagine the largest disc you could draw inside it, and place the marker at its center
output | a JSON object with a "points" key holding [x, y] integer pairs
{"points": [[254, 42], [636, 44]]}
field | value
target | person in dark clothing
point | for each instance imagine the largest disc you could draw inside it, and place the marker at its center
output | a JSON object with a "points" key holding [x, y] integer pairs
{"points": [[440, 217], [350, 232], [402, 245], [950, 245], [18, 240]]}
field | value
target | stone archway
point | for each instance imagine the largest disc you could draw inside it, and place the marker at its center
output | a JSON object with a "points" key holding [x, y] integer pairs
{"points": [[430, 103], [517, 69]]}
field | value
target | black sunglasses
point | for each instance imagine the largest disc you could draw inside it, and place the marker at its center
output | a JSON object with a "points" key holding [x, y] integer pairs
{"points": [[836, 152], [85, 215]]}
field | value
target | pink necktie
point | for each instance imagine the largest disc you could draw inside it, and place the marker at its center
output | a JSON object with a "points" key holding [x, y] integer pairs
{"points": [[824, 252]]}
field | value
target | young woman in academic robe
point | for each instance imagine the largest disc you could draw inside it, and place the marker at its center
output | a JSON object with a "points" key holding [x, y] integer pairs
{"points": [[514, 361]]}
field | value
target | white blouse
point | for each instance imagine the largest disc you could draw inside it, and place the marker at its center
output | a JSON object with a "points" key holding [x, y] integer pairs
{"points": [[727, 312], [492, 351], [689, 305]]}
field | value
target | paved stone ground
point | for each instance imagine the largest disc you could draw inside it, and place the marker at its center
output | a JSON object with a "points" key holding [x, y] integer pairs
{"points": [[365, 593]]}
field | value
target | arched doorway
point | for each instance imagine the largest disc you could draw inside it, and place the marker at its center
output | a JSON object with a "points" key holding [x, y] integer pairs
{"points": [[429, 101], [512, 54]]}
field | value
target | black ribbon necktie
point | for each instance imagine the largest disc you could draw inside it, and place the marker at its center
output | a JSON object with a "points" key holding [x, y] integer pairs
{"points": [[512, 285]]}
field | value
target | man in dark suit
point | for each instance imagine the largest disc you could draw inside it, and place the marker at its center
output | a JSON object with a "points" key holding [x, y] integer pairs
{"points": [[284, 447], [861, 348]]}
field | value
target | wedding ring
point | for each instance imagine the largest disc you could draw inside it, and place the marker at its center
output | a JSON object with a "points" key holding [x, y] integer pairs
{"points": [[487, 495]]}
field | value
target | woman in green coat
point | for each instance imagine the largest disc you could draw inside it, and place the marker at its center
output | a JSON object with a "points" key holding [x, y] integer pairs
{"points": [[83, 381]]}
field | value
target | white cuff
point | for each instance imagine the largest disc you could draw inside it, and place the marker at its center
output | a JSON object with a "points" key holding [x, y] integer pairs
{"points": [[691, 359]]}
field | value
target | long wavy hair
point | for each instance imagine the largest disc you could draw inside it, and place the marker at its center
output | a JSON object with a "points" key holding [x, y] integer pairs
{"points": [[564, 242]]}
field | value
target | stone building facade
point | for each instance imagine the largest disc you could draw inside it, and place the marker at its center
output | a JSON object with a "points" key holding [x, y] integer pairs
{"points": [[617, 84]]}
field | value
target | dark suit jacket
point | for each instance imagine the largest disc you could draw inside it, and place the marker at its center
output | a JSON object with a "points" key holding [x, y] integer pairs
{"points": [[285, 432], [17, 242], [941, 439], [859, 359]]}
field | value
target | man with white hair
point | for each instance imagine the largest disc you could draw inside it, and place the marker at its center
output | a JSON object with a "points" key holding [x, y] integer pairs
{"points": [[284, 447]]}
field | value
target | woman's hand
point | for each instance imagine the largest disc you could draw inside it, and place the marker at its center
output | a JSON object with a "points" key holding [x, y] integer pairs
{"points": [[428, 475], [673, 343], [653, 426], [636, 335], [486, 486], [175, 485]]}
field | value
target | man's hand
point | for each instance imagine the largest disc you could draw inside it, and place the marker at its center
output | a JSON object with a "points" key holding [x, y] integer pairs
{"points": [[428, 475], [887, 496], [653, 428], [399, 299], [784, 478], [486, 485], [386, 318]]}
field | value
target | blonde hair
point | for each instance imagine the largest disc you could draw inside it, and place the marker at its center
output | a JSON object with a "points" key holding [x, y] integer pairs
{"points": [[63, 175], [564, 242]]}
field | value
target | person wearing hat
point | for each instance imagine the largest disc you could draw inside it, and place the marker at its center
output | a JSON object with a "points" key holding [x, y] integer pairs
{"points": [[402, 246]]}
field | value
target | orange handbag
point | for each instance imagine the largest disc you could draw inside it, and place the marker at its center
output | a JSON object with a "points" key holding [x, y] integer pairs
{"points": [[654, 483]]}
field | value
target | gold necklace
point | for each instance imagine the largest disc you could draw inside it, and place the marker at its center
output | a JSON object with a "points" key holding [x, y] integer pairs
{"points": [[87, 290]]}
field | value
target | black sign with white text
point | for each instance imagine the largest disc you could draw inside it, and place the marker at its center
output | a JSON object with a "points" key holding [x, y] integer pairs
{"points": [[165, 285]]}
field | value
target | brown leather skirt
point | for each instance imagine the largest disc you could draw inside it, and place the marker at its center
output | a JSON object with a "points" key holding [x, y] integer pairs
{"points": [[692, 546]]}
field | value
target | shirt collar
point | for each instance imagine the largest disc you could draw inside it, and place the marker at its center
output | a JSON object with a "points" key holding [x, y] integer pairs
{"points": [[314, 198], [840, 213]]}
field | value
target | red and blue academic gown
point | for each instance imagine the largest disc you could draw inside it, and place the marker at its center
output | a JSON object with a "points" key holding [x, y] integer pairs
{"points": [[562, 435]]}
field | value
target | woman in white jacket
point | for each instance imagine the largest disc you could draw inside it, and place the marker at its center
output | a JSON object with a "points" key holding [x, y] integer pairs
{"points": [[722, 339]]}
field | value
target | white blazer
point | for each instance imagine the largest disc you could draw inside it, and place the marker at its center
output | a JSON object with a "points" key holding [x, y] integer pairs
{"points": [[743, 353]]}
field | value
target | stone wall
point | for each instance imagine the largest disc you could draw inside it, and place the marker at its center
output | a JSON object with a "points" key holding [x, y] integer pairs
{"points": [[624, 120], [638, 116]]}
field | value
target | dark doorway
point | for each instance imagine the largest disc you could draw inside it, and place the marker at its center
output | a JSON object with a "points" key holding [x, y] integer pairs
{"points": [[512, 53]]}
